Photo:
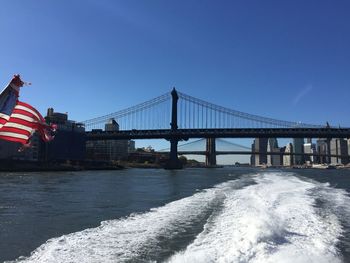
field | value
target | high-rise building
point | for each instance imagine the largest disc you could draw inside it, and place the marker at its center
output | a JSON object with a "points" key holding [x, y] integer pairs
{"points": [[298, 148], [344, 151], [259, 145], [339, 147], [272, 147], [310, 149], [323, 149], [288, 160], [252, 157], [273, 143]]}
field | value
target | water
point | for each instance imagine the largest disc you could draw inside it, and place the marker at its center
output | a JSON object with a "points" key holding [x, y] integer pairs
{"points": [[193, 215]]}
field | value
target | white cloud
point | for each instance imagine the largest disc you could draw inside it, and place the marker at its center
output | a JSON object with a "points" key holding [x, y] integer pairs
{"points": [[302, 94]]}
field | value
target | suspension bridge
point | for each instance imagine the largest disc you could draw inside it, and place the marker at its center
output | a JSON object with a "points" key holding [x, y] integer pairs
{"points": [[176, 116]]}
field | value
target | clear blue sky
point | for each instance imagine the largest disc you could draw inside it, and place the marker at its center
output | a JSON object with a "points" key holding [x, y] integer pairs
{"points": [[282, 59]]}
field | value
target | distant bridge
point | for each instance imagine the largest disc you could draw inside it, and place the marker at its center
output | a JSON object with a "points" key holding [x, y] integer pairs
{"points": [[259, 153], [195, 118], [239, 149]]}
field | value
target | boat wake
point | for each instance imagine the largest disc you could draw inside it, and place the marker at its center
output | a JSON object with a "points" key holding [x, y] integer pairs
{"points": [[270, 217]]}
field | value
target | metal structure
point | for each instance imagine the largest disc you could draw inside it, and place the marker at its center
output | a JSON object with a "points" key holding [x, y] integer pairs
{"points": [[190, 117]]}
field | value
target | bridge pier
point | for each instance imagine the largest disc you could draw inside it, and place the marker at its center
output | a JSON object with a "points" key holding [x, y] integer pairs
{"points": [[210, 157], [174, 162]]}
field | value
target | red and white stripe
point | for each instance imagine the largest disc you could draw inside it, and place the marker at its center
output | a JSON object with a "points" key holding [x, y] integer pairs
{"points": [[22, 123]]}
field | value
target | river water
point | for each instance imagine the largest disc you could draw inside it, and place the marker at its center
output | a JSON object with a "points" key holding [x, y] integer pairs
{"points": [[192, 215]]}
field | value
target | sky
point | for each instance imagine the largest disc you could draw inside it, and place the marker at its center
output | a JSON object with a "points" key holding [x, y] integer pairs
{"points": [[286, 60]]}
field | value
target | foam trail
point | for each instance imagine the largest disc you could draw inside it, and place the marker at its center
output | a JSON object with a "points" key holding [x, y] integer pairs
{"points": [[275, 220], [271, 217], [135, 238]]}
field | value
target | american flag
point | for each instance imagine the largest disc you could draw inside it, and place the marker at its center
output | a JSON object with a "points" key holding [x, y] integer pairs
{"points": [[19, 120]]}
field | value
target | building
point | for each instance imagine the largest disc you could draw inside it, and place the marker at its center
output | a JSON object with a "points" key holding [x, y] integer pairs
{"points": [[344, 151], [310, 149], [111, 125], [15, 151], [259, 145], [69, 142], [339, 147], [272, 146], [131, 146], [108, 149], [298, 148], [323, 149], [288, 159], [252, 157]]}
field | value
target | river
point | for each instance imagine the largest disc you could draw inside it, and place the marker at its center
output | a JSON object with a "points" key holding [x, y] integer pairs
{"points": [[191, 215]]}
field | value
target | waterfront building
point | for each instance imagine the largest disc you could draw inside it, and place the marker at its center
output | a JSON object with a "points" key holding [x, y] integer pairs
{"points": [[298, 148], [339, 147], [108, 149], [259, 145], [69, 142], [12, 150], [288, 160]]}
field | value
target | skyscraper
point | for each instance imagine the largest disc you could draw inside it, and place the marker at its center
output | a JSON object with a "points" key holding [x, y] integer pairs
{"points": [[259, 145], [252, 157], [288, 159], [272, 147], [323, 148], [298, 145], [339, 147], [309, 148]]}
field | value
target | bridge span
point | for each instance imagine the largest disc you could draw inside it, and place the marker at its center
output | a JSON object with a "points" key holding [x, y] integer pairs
{"points": [[196, 118], [185, 134]]}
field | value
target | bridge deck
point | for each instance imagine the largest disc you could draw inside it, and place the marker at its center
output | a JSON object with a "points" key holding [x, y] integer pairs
{"points": [[185, 134], [260, 153]]}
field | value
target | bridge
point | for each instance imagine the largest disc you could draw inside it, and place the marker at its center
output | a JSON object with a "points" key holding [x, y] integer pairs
{"points": [[176, 116], [234, 149]]}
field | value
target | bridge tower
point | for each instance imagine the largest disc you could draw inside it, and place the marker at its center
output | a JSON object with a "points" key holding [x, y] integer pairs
{"points": [[174, 162], [210, 157]]}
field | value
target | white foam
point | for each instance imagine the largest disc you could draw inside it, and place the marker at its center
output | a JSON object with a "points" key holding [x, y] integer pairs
{"points": [[274, 220], [131, 238]]}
